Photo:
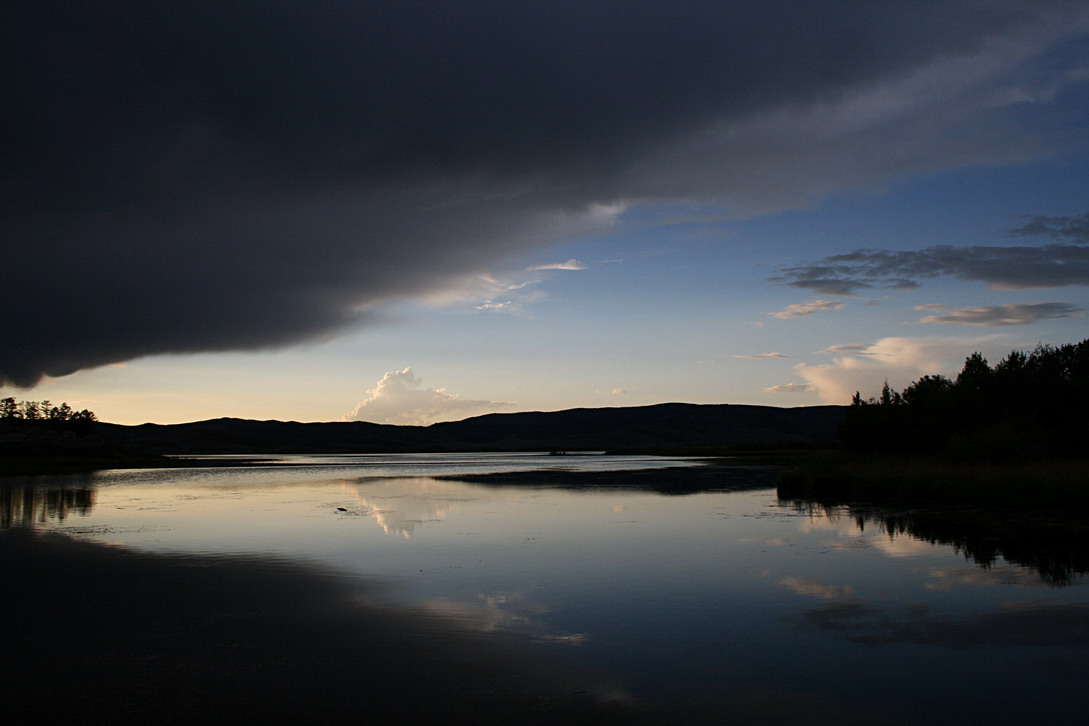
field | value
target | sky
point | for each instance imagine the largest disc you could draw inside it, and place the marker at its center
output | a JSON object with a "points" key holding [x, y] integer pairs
{"points": [[421, 211]]}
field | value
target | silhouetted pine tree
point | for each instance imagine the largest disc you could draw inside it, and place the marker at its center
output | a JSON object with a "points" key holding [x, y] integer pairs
{"points": [[1030, 405]]}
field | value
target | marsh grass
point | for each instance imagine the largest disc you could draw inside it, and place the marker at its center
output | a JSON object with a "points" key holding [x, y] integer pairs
{"points": [[839, 475]]}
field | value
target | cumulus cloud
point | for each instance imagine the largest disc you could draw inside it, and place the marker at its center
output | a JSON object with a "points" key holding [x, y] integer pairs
{"points": [[800, 310], [571, 264], [995, 315], [400, 398], [1008, 268], [212, 176], [898, 360], [789, 388]]}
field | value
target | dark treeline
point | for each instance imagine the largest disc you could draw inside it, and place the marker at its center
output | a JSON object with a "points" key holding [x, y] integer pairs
{"points": [[41, 410], [34, 431], [1027, 407]]}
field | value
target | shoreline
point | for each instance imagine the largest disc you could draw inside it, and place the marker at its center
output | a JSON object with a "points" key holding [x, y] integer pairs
{"points": [[13, 466], [825, 476]]}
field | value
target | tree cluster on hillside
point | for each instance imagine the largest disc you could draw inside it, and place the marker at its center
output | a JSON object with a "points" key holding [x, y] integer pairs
{"points": [[41, 410], [40, 429], [1028, 406]]}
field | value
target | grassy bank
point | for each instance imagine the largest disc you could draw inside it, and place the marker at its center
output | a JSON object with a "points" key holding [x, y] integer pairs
{"points": [[843, 477]]}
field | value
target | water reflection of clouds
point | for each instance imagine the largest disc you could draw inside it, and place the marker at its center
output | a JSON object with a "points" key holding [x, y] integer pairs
{"points": [[902, 545], [1016, 625], [503, 612], [489, 612], [815, 588], [955, 579], [851, 544], [401, 505], [842, 526], [773, 541], [262, 640], [850, 534]]}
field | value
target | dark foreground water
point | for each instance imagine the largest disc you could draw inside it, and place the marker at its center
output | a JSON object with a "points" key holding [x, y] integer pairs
{"points": [[367, 588]]}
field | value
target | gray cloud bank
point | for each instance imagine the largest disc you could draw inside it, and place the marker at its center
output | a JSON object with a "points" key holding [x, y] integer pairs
{"points": [[996, 315], [1070, 229], [207, 176], [1012, 267]]}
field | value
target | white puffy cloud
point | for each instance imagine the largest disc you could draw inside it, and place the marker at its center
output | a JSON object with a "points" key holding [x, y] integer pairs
{"points": [[800, 310], [898, 360], [400, 398]]}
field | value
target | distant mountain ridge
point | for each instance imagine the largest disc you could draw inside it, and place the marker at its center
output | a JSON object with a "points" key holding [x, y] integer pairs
{"points": [[666, 425]]}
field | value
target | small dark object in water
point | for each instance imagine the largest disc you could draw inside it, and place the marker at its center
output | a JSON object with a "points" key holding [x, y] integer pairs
{"points": [[341, 509]]}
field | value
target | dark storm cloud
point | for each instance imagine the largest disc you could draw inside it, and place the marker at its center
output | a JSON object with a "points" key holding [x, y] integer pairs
{"points": [[1015, 267], [205, 176]]}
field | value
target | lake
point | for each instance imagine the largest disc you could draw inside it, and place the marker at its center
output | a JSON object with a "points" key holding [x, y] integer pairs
{"points": [[503, 588]]}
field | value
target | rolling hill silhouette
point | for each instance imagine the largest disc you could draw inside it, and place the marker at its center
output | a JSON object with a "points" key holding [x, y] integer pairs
{"points": [[667, 425]]}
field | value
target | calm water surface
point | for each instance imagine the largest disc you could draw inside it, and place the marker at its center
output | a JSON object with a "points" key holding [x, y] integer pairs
{"points": [[713, 597]]}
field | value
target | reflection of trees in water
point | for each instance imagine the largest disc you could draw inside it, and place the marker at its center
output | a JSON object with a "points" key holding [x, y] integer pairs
{"points": [[1053, 544], [25, 506]]}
